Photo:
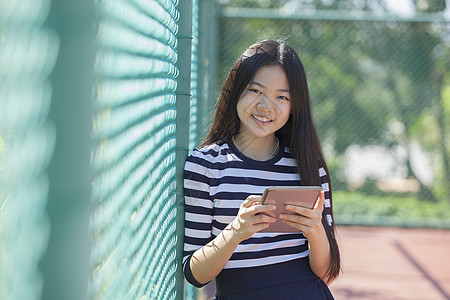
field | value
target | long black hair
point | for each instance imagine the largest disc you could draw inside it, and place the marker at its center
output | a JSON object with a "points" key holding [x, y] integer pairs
{"points": [[298, 132]]}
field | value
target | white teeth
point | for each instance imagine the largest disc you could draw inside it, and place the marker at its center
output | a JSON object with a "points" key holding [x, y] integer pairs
{"points": [[262, 119]]}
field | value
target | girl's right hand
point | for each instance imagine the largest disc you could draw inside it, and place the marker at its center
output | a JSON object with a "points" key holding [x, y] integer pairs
{"points": [[250, 218]]}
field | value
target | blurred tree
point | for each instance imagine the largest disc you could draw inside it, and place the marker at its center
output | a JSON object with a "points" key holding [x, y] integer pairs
{"points": [[415, 85], [365, 77]]}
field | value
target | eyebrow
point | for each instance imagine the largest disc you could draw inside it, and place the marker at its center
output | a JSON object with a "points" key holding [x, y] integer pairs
{"points": [[262, 85]]}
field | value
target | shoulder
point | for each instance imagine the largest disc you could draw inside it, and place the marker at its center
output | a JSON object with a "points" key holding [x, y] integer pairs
{"points": [[209, 155], [210, 152], [213, 149]]}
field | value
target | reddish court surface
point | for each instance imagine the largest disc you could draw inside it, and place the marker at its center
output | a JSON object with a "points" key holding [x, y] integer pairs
{"points": [[393, 263]]}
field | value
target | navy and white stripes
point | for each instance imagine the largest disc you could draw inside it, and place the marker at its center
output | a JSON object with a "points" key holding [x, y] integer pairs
{"points": [[217, 179]]}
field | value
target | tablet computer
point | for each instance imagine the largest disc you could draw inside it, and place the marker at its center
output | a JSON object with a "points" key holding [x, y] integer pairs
{"points": [[281, 196]]}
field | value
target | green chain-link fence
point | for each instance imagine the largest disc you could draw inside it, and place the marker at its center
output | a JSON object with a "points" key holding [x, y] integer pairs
{"points": [[28, 51], [46, 57], [134, 225], [107, 74]]}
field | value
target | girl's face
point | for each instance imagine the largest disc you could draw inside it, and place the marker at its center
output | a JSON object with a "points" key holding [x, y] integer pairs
{"points": [[264, 106]]}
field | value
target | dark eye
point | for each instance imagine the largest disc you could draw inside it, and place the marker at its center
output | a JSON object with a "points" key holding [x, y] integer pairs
{"points": [[254, 91], [283, 98]]}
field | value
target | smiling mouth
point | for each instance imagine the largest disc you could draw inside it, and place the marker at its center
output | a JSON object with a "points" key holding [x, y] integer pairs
{"points": [[261, 119]]}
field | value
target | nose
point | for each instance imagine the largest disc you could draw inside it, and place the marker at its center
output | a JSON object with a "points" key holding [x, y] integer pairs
{"points": [[266, 103]]}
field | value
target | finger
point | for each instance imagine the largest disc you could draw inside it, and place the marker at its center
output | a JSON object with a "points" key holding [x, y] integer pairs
{"points": [[261, 226], [302, 215], [298, 219], [295, 225], [251, 200], [264, 218], [263, 208], [300, 210], [305, 225], [260, 210]]}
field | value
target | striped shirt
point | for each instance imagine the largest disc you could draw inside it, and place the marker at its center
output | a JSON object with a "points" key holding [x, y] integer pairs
{"points": [[217, 179]]}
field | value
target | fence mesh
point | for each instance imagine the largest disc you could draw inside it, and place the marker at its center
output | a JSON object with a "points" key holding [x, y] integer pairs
{"points": [[190, 290], [133, 222], [28, 51], [379, 86], [194, 118]]}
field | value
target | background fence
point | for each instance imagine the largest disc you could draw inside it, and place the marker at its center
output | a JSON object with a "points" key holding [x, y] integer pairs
{"points": [[100, 102], [133, 220], [91, 93], [28, 52], [380, 84]]}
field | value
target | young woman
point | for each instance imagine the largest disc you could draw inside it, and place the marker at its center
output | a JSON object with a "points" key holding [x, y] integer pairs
{"points": [[263, 135]]}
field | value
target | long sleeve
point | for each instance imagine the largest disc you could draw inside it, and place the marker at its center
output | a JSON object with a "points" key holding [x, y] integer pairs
{"points": [[326, 188], [198, 211]]}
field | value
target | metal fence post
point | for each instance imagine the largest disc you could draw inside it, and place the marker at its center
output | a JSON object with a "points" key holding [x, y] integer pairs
{"points": [[65, 266], [208, 62], [182, 127]]}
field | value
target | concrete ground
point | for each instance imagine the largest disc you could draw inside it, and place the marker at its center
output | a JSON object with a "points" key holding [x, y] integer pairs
{"points": [[393, 264]]}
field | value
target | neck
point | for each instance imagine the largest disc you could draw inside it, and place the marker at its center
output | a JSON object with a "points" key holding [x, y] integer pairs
{"points": [[257, 148]]}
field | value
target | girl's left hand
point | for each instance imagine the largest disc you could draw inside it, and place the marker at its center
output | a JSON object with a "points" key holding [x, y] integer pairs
{"points": [[308, 221]]}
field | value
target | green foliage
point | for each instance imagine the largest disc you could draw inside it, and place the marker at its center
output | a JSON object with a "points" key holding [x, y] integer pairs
{"points": [[371, 82], [403, 206]]}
